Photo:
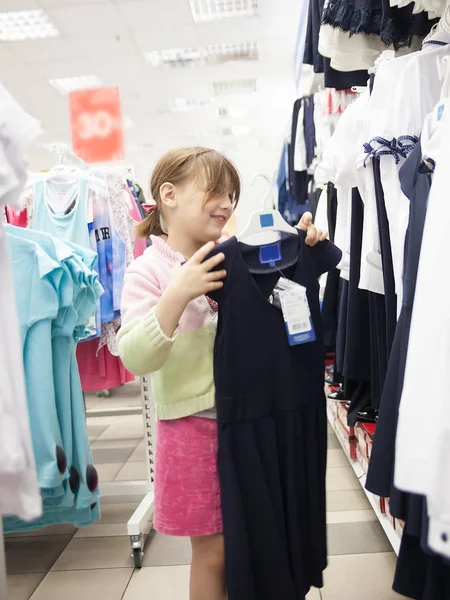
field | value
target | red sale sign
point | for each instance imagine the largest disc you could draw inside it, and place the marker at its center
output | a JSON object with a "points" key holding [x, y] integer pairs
{"points": [[96, 122]]}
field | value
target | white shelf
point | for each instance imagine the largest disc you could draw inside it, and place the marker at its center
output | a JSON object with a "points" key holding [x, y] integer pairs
{"points": [[392, 534]]}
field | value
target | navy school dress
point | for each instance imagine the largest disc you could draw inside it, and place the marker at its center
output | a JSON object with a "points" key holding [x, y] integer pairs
{"points": [[298, 180], [272, 425], [330, 304], [420, 574], [357, 353]]}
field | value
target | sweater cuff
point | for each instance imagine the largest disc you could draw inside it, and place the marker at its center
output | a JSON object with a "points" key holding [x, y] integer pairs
{"points": [[152, 328]]}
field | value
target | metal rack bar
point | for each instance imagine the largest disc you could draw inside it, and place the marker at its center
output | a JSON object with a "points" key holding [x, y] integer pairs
{"points": [[143, 513], [126, 491], [3, 583], [124, 411]]}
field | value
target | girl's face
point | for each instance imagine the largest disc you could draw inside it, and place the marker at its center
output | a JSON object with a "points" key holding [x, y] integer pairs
{"points": [[202, 221]]}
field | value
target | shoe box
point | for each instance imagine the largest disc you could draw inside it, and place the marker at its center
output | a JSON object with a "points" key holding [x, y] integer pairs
{"points": [[345, 433]]}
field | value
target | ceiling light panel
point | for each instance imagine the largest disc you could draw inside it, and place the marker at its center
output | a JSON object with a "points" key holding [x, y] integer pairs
{"points": [[211, 10], [203, 55], [234, 86], [189, 104], [20, 25], [233, 112], [176, 57], [70, 84], [235, 130], [219, 53]]}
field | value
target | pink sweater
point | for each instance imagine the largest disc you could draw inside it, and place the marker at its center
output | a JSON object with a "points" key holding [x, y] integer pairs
{"points": [[182, 366]]}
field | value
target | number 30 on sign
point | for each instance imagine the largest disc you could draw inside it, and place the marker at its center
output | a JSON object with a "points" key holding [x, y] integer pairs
{"points": [[96, 123]]}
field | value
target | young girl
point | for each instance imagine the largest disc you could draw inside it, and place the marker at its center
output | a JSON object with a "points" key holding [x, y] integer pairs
{"points": [[168, 329]]}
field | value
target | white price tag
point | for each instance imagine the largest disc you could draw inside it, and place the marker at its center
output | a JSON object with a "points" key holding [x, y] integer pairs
{"points": [[294, 305]]}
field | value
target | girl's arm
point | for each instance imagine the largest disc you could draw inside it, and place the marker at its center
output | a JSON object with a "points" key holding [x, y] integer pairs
{"points": [[150, 318], [142, 343]]}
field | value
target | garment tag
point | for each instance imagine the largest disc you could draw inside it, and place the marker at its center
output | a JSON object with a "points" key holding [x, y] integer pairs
{"points": [[59, 202], [293, 301], [270, 254], [266, 220]]}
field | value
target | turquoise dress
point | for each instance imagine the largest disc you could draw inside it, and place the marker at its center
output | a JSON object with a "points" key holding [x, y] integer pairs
{"points": [[66, 290]]}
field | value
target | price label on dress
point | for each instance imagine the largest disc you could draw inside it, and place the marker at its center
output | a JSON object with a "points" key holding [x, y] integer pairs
{"points": [[96, 124], [297, 315]]}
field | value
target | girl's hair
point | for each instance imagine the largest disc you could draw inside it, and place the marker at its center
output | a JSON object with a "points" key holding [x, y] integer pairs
{"points": [[213, 172]]}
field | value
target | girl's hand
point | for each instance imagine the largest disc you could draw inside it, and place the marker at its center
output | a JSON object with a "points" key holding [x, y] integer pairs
{"points": [[313, 235], [189, 281], [197, 277]]}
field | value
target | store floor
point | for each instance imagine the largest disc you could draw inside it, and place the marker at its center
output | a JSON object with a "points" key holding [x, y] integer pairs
{"points": [[65, 564]]}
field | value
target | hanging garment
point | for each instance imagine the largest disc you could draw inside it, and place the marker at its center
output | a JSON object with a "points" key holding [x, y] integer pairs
{"points": [[331, 294], [416, 186], [298, 180], [19, 493], [430, 457], [419, 574], [66, 290], [394, 26], [313, 56], [285, 201], [271, 413], [51, 200], [390, 297], [357, 348], [99, 369], [347, 51], [309, 129]]}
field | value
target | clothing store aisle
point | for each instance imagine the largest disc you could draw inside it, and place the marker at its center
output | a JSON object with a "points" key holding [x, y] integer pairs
{"points": [[61, 563]]}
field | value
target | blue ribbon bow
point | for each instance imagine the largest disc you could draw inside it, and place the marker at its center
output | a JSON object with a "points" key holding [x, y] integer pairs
{"points": [[395, 147]]}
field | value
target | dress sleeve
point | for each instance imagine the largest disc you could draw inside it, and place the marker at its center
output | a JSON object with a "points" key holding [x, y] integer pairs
{"points": [[325, 256]]}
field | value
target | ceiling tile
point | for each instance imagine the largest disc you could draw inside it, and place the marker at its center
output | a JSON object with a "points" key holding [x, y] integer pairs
{"points": [[63, 68], [44, 50], [69, 3], [230, 31], [7, 5], [167, 37], [105, 45], [8, 56], [90, 18], [150, 15]]}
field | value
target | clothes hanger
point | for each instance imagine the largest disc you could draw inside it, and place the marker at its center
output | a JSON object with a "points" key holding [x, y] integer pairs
{"points": [[265, 226]]}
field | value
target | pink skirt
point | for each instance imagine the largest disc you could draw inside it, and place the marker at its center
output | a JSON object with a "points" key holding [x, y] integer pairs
{"points": [[187, 491]]}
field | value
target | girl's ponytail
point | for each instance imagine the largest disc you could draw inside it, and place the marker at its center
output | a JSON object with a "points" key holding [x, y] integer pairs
{"points": [[151, 225]]}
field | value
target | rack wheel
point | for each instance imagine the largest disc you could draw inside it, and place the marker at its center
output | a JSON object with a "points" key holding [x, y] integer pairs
{"points": [[137, 557]]}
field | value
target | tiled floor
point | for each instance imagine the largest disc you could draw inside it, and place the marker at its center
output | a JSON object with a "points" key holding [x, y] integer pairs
{"points": [[61, 563]]}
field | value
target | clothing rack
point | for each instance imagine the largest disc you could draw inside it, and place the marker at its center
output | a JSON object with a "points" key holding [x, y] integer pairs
{"points": [[127, 491]]}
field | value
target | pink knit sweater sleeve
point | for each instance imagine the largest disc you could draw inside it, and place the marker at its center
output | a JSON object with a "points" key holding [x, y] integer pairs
{"points": [[142, 345], [141, 291]]}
